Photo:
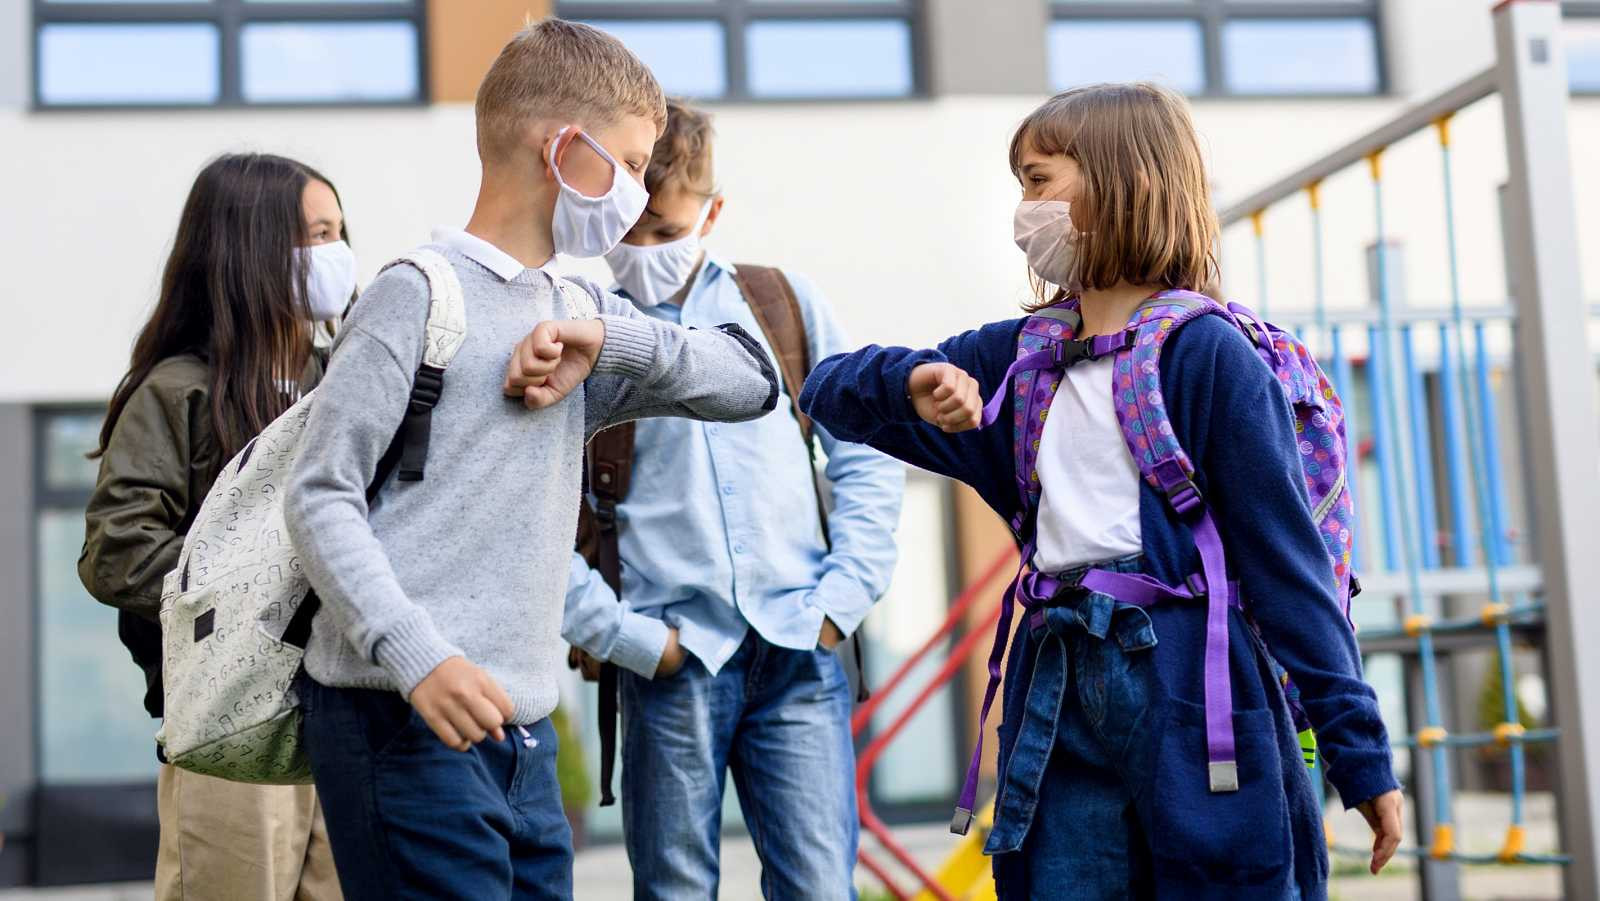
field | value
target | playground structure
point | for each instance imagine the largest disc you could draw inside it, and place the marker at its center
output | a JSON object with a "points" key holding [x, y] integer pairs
{"points": [[1432, 591]]}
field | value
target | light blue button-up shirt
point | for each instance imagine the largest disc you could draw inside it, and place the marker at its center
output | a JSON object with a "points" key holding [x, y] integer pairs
{"points": [[719, 532]]}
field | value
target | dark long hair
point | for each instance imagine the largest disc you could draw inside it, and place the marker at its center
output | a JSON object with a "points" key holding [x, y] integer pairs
{"points": [[233, 293]]}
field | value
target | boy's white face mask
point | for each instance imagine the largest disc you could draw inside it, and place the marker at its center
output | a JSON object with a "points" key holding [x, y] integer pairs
{"points": [[330, 278], [1043, 230], [585, 226], [653, 273]]}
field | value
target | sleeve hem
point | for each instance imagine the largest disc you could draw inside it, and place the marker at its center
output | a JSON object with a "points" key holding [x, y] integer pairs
{"points": [[641, 640], [411, 650], [628, 349]]}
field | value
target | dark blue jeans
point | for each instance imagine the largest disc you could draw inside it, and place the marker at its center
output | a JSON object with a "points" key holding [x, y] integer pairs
{"points": [[1103, 791], [411, 818], [780, 720]]}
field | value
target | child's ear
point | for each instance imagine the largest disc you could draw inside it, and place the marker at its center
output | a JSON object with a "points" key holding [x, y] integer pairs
{"points": [[711, 216], [550, 142]]}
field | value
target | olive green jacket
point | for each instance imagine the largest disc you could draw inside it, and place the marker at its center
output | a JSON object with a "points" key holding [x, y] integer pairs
{"points": [[157, 469]]}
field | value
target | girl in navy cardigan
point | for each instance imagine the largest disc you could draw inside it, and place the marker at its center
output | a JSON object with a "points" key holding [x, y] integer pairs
{"points": [[1103, 774]]}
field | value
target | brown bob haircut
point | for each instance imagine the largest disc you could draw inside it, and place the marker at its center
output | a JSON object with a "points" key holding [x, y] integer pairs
{"points": [[682, 155], [1145, 212], [555, 69]]}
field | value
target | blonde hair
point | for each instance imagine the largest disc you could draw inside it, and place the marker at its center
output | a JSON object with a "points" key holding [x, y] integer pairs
{"points": [[555, 69], [1145, 214], [682, 155]]}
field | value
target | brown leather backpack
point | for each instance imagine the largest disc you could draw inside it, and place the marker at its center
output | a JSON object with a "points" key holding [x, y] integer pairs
{"points": [[608, 468]]}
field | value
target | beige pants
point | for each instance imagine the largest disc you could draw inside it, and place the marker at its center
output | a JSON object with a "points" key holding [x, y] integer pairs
{"points": [[235, 842]]}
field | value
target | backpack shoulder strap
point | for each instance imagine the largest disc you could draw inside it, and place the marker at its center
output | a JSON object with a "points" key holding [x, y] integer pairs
{"points": [[777, 311], [446, 329]]}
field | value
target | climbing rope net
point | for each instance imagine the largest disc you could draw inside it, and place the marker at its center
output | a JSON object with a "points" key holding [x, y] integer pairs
{"points": [[1407, 511]]}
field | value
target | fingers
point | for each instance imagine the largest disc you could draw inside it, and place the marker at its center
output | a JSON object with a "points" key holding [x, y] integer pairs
{"points": [[1388, 840], [443, 728], [498, 697], [962, 408], [488, 716]]}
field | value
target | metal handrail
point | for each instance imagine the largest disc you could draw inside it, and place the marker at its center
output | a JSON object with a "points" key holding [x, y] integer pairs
{"points": [[1412, 120]]}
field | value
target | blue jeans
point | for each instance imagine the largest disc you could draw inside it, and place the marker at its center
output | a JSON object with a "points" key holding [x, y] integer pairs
{"points": [[780, 720], [1103, 792], [411, 818]]}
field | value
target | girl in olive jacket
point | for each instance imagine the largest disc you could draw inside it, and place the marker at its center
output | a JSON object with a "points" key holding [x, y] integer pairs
{"points": [[259, 258]]}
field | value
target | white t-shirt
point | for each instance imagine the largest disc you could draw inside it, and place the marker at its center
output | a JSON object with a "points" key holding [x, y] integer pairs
{"points": [[1089, 498]]}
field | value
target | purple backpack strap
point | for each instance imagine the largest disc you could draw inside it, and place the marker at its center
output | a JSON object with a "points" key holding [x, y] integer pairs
{"points": [[1141, 410], [1045, 348]]}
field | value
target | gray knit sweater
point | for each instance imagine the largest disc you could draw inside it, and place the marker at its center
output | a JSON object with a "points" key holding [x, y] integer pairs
{"points": [[473, 559]]}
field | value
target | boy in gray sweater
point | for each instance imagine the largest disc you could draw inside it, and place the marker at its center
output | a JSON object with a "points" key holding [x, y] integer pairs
{"points": [[431, 670]]}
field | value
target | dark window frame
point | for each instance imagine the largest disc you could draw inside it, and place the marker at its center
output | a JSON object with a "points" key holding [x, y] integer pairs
{"points": [[1587, 9], [1211, 15], [735, 15], [230, 17]]}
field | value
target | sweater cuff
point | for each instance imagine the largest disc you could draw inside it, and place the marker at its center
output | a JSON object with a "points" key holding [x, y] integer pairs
{"points": [[640, 642], [1363, 784], [412, 649], [629, 348]]}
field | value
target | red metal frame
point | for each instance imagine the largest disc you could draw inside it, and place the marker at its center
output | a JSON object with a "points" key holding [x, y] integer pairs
{"points": [[963, 650]]}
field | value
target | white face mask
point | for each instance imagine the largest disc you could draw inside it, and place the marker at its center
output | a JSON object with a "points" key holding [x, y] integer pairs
{"points": [[1043, 230], [651, 274], [330, 278], [589, 226]]}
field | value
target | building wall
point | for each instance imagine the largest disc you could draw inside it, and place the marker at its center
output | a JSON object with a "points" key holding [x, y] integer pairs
{"points": [[892, 208]]}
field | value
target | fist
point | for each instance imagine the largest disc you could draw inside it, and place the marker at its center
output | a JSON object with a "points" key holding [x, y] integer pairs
{"points": [[552, 360], [945, 396], [462, 704]]}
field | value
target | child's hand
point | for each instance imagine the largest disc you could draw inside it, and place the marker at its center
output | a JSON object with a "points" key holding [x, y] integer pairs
{"points": [[673, 657], [553, 360], [462, 704], [584, 662], [1384, 815], [945, 396]]}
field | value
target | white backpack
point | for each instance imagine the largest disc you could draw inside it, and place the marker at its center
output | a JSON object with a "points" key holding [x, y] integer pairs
{"points": [[236, 612]]}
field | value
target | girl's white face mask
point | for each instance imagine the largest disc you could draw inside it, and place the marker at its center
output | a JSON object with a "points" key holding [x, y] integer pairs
{"points": [[653, 273], [585, 226], [330, 278], [1043, 230]]}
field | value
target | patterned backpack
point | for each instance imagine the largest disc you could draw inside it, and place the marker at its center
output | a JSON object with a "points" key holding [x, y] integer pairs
{"points": [[236, 612], [1045, 348]]}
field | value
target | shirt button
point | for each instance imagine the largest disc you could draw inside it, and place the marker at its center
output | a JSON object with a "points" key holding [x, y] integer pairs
{"points": [[711, 430], [738, 548], [727, 489]]}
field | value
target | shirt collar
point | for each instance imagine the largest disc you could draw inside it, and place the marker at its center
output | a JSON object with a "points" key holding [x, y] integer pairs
{"points": [[474, 248]]}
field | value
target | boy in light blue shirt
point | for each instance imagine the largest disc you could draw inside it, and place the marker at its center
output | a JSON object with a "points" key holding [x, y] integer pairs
{"points": [[732, 597]]}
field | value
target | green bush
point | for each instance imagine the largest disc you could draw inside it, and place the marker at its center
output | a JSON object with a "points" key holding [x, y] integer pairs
{"points": [[1492, 701], [571, 770]]}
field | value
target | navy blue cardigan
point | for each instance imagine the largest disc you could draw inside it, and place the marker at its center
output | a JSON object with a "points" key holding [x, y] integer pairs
{"points": [[1232, 418]]}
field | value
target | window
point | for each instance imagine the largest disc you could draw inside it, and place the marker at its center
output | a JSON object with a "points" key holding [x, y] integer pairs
{"points": [[1219, 47], [228, 53], [1581, 35], [768, 49], [92, 724]]}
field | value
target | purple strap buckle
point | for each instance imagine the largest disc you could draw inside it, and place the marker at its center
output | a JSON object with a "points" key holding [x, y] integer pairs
{"points": [[1178, 485]]}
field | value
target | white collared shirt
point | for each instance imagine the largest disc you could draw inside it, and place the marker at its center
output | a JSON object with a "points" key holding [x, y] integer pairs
{"points": [[480, 251]]}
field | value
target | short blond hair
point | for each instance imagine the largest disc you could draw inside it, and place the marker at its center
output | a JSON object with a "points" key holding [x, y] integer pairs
{"points": [[1145, 215], [682, 156], [555, 69]]}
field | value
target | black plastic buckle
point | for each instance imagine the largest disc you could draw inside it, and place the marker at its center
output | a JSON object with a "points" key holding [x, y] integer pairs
{"points": [[1073, 351]]}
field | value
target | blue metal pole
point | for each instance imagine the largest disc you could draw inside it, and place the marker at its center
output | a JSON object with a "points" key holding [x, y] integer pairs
{"points": [[1491, 450], [1486, 481], [1425, 654], [1345, 383], [1421, 452], [1383, 439], [1456, 473]]}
